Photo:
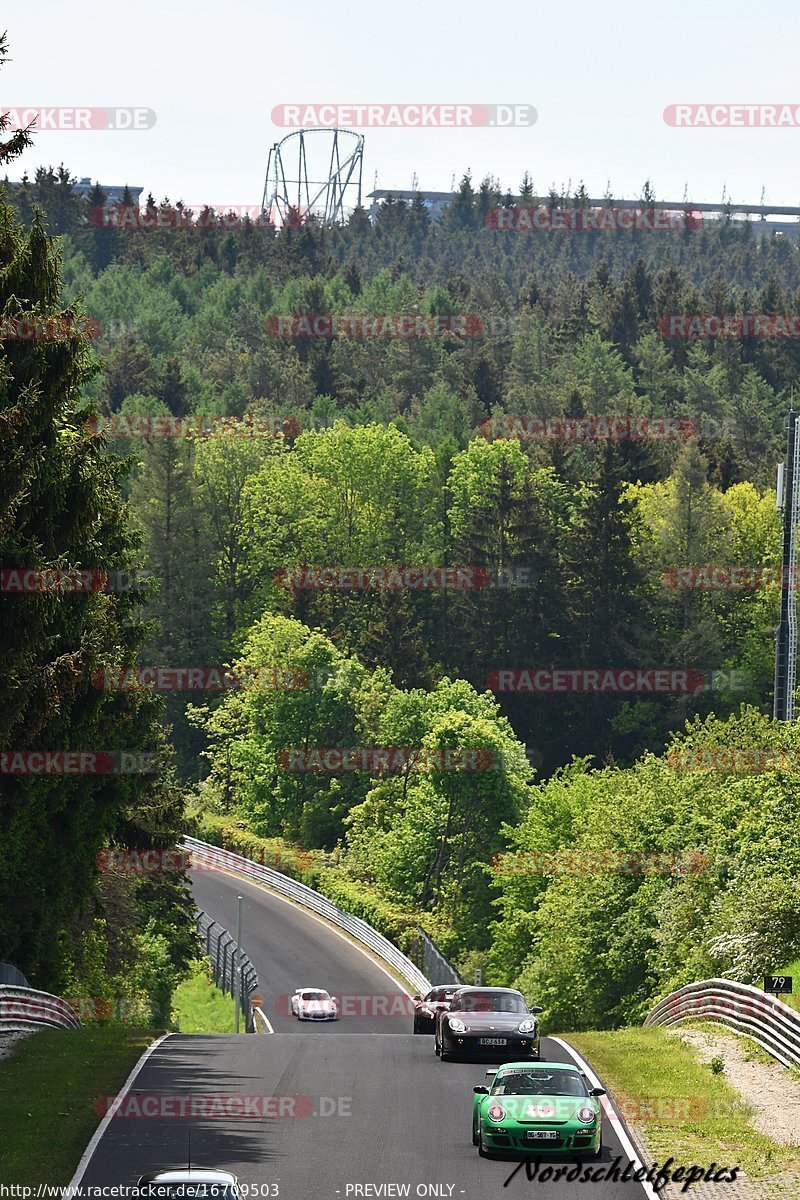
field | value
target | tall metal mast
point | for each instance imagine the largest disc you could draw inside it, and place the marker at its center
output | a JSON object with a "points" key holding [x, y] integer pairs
{"points": [[788, 497]]}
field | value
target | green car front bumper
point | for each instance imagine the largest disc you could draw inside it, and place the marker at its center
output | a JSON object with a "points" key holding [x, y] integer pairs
{"points": [[518, 1136]]}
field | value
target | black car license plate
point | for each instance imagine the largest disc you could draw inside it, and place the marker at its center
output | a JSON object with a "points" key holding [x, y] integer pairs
{"points": [[492, 1041], [540, 1135]]}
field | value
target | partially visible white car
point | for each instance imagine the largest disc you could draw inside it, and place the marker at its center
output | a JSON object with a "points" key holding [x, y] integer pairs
{"points": [[189, 1183], [314, 1004]]}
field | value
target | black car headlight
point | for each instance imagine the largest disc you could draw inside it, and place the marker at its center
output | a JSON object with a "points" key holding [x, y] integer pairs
{"points": [[456, 1025]]}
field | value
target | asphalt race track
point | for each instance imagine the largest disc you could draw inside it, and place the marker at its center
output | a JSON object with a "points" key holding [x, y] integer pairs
{"points": [[289, 948], [349, 1106]]}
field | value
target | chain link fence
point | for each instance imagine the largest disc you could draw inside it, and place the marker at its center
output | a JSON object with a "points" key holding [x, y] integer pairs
{"points": [[430, 960], [233, 972], [12, 975]]}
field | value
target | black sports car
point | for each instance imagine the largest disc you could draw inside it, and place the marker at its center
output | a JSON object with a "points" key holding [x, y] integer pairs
{"points": [[426, 1007], [483, 1022]]}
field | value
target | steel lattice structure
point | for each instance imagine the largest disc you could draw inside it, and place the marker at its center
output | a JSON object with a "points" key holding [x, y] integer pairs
{"points": [[290, 194], [786, 635]]}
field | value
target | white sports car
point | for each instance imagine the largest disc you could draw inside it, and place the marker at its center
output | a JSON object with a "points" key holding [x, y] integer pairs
{"points": [[314, 1004], [188, 1183]]}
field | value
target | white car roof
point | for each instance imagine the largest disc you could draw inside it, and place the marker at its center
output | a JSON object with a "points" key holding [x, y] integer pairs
{"points": [[316, 991], [194, 1175]]}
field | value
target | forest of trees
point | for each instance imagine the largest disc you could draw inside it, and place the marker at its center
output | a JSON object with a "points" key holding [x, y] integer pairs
{"points": [[415, 452]]}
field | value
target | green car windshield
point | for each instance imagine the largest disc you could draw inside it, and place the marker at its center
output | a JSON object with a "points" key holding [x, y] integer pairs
{"points": [[539, 1082]]}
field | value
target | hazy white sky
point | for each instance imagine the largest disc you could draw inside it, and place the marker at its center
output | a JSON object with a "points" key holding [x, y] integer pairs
{"points": [[599, 75]]}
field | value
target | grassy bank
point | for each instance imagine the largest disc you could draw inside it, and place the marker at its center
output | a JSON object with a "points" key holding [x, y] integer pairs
{"points": [[50, 1093], [682, 1108], [198, 1006]]}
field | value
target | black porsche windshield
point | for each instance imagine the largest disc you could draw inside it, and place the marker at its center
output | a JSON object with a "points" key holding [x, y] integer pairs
{"points": [[539, 1082], [439, 993], [505, 1002]]}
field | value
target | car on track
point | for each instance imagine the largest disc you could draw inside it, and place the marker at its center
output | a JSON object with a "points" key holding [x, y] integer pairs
{"points": [[188, 1183], [314, 1004], [487, 1022], [426, 1007], [535, 1108]]}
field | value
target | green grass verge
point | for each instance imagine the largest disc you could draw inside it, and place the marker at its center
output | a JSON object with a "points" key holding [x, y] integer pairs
{"points": [[47, 1092], [198, 1006], [682, 1108], [793, 970]]}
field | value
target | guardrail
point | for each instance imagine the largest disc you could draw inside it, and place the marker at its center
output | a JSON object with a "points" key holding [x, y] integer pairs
{"points": [[748, 1010], [380, 946], [232, 971], [25, 1008]]}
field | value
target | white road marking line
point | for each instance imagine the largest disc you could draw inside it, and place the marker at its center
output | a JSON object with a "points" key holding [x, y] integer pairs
{"points": [[264, 1018], [101, 1128], [608, 1109]]}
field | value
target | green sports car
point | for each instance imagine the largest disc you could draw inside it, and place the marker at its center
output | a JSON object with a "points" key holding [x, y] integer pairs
{"points": [[535, 1108]]}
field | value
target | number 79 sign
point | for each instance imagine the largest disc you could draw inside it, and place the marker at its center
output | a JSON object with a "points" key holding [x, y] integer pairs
{"points": [[778, 985]]}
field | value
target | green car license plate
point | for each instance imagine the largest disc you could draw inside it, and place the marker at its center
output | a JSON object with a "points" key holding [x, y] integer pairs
{"points": [[492, 1041], [540, 1135]]}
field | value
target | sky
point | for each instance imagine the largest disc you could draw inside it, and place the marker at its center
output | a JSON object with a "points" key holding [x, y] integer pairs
{"points": [[599, 75]]}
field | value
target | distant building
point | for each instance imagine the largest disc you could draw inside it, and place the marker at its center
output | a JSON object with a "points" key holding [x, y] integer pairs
{"points": [[113, 191], [435, 202], [758, 214]]}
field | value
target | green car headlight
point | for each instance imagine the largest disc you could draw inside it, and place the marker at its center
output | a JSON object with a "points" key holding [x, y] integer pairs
{"points": [[496, 1112], [587, 1115], [527, 1026], [456, 1025]]}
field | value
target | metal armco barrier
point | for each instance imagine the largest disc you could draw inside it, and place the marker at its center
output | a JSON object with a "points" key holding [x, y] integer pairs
{"points": [[380, 946], [25, 1008], [748, 1010], [232, 972]]}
